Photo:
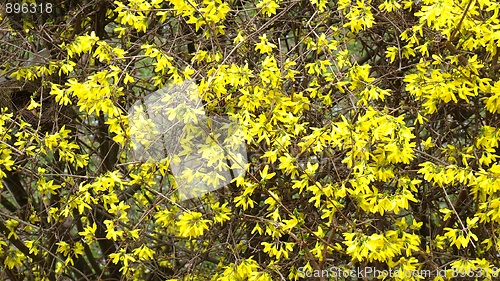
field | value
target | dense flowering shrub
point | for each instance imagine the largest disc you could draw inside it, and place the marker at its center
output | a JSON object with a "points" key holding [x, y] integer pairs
{"points": [[371, 130]]}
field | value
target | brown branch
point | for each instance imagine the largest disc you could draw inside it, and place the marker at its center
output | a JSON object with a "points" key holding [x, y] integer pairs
{"points": [[453, 50]]}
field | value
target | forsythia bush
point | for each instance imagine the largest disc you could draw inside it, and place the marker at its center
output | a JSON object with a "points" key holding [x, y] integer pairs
{"points": [[371, 129]]}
